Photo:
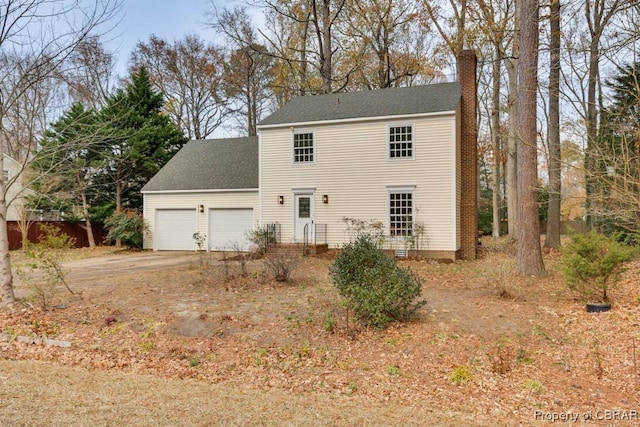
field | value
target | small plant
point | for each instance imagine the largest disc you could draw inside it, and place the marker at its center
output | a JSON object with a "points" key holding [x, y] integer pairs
{"points": [[533, 385], [194, 361], [356, 228], [242, 256], [593, 262], [128, 227], [146, 346], [259, 356], [393, 370], [200, 239], [330, 324], [281, 264], [261, 238], [375, 288], [461, 374]]}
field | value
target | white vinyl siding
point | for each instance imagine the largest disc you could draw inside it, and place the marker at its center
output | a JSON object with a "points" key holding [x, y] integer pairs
{"points": [[352, 167], [191, 200]]}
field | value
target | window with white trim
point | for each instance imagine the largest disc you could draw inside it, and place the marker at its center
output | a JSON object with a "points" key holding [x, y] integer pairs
{"points": [[401, 142], [303, 148], [400, 214]]}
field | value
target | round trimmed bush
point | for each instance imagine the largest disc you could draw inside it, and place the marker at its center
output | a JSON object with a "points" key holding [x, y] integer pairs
{"points": [[374, 286]]}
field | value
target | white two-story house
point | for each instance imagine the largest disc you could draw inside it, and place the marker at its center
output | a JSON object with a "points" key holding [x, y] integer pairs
{"points": [[402, 158]]}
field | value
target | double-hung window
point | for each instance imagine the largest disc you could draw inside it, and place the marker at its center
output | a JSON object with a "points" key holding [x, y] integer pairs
{"points": [[303, 148], [400, 213], [401, 142]]}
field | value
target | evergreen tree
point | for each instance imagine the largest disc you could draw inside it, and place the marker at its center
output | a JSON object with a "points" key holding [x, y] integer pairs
{"points": [[616, 174], [70, 155], [142, 139]]}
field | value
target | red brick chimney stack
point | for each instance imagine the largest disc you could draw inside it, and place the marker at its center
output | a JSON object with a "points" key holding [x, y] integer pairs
{"points": [[467, 62]]}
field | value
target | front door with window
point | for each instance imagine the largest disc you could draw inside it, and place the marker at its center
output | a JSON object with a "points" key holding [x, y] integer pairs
{"points": [[303, 217]]}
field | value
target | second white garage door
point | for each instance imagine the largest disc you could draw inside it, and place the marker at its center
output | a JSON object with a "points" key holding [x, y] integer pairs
{"points": [[174, 230], [228, 228]]}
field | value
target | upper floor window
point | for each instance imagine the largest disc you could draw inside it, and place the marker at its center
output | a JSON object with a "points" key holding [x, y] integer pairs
{"points": [[401, 142], [303, 148]]}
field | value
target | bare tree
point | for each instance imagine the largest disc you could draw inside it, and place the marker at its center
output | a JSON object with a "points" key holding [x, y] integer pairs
{"points": [[552, 239], [529, 254], [496, 21], [384, 38], [47, 32], [190, 74], [90, 73]]}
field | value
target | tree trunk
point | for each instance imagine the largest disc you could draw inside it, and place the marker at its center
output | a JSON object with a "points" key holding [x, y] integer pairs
{"points": [[87, 221], [6, 276], [512, 151], [512, 143], [552, 239], [529, 254], [119, 185], [496, 143], [326, 66]]}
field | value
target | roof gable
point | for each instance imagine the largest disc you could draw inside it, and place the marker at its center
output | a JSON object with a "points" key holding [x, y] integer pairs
{"points": [[375, 103], [213, 164]]}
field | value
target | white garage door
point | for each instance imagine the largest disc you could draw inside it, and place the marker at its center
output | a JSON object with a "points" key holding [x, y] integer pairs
{"points": [[228, 228], [174, 230]]}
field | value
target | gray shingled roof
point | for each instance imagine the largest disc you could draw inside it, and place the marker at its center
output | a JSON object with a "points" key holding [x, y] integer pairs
{"points": [[375, 103], [214, 164]]}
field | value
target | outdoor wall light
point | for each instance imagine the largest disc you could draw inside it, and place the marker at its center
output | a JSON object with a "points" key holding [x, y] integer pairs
{"points": [[281, 200], [325, 198], [201, 208]]}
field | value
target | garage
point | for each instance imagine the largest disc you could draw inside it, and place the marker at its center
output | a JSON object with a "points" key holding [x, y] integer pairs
{"points": [[228, 228], [174, 229]]}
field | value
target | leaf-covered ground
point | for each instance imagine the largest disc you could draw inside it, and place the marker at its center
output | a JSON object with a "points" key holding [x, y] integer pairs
{"points": [[489, 348]]}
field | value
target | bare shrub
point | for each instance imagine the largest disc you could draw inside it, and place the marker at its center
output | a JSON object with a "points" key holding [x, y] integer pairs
{"points": [[281, 263], [205, 267], [46, 270]]}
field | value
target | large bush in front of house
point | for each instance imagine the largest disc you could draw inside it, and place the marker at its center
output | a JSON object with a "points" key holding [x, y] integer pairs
{"points": [[374, 286]]}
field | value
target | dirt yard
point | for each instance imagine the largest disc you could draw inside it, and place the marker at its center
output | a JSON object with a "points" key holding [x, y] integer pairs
{"points": [[190, 343]]}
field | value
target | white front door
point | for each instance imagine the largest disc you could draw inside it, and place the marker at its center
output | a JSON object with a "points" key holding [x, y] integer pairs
{"points": [[303, 216]]}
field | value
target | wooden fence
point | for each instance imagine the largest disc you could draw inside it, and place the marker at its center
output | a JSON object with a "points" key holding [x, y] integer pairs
{"points": [[74, 229]]}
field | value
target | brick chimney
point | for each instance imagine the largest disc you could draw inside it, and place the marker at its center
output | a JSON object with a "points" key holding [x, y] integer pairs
{"points": [[468, 129]]}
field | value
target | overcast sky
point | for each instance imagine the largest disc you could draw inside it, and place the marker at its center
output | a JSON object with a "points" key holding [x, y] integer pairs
{"points": [[167, 19]]}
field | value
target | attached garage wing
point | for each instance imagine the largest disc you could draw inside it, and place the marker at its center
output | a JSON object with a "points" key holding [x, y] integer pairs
{"points": [[228, 229], [174, 229]]}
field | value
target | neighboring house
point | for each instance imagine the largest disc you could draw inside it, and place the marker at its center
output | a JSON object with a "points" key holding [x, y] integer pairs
{"points": [[15, 193], [404, 157]]}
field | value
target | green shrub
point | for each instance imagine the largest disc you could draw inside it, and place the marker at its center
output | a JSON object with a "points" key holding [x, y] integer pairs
{"points": [[593, 262], [375, 288], [128, 226]]}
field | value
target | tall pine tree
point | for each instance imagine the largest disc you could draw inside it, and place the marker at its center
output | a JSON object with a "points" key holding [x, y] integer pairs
{"points": [[142, 139]]}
